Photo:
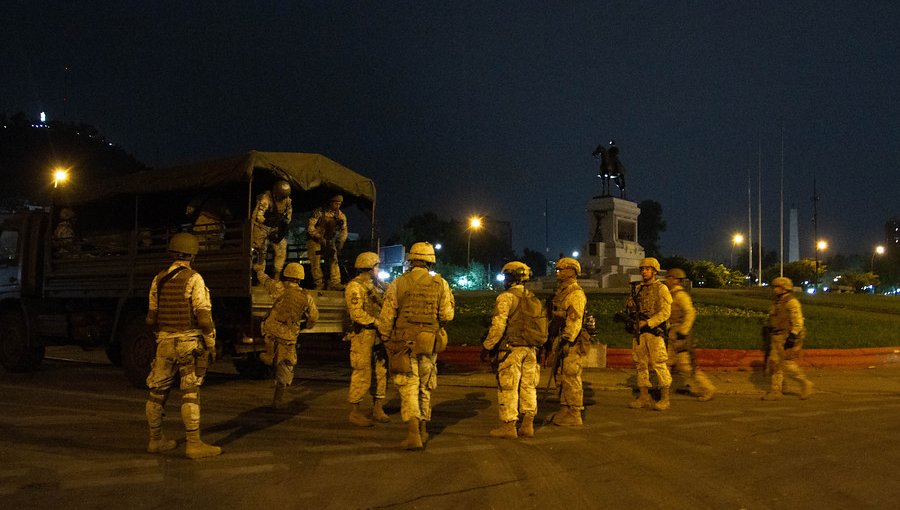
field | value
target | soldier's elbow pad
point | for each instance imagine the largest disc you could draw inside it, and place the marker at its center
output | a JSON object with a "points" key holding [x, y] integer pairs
{"points": [[151, 318], [205, 321]]}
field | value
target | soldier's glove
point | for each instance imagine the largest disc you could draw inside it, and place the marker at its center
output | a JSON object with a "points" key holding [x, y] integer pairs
{"points": [[681, 336], [485, 355]]}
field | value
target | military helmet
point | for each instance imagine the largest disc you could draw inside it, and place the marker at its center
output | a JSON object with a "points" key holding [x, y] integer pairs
{"points": [[336, 198], [516, 272], [677, 272], [650, 262], [568, 263], [783, 282], [367, 260], [293, 270], [422, 251], [66, 213], [281, 190], [184, 243]]}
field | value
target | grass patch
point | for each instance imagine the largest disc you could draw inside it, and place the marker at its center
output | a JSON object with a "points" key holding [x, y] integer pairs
{"points": [[726, 319]]}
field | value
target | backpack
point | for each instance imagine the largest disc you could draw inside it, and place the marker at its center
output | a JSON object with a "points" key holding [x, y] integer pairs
{"points": [[527, 323]]}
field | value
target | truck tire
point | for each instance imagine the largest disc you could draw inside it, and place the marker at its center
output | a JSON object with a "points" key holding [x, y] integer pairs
{"points": [[15, 353], [138, 349]]}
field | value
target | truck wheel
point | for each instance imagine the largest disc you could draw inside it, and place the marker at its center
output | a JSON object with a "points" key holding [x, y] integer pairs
{"points": [[138, 350], [251, 367], [114, 354], [15, 353]]}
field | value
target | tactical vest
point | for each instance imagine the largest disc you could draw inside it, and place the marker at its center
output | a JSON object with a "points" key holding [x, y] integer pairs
{"points": [[649, 299], [780, 318], [327, 224], [287, 311], [374, 298], [175, 311], [418, 298], [274, 217], [678, 313], [558, 319], [527, 323]]}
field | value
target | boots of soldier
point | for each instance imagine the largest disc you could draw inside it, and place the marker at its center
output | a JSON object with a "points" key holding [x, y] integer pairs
{"points": [[526, 429], [423, 431], [707, 390], [195, 448], [568, 417], [277, 398], [643, 401], [378, 413], [663, 403], [158, 442], [413, 440], [357, 418], [506, 430], [807, 389]]}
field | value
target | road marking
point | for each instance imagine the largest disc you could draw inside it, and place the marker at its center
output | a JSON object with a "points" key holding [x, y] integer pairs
{"points": [[10, 473], [658, 418], [243, 470], [861, 408], [109, 465], [556, 439], [719, 413], [130, 479], [42, 421], [342, 447], [457, 449], [370, 457]]}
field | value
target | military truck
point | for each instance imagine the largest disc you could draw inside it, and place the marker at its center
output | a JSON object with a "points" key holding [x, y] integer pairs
{"points": [[93, 291]]}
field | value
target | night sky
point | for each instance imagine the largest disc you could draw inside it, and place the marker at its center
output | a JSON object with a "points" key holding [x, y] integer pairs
{"points": [[494, 108]]}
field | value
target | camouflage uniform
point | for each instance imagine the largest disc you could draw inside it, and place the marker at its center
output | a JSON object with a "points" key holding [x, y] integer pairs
{"points": [[786, 319], [518, 372], [327, 230], [681, 345], [266, 216], [293, 310], [364, 300], [64, 238], [654, 302], [568, 305], [415, 300]]}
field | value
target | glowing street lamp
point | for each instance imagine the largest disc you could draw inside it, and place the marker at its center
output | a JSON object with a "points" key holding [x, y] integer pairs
{"points": [[735, 241], [474, 224], [820, 246], [60, 176], [879, 250]]}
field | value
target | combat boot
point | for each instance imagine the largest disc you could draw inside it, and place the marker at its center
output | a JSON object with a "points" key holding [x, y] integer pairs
{"points": [[506, 430], [413, 440], [195, 447], [707, 395], [663, 403], [807, 389], [707, 390], [357, 418], [423, 432], [568, 417], [643, 401], [158, 442], [278, 396], [378, 413], [526, 429], [772, 395]]}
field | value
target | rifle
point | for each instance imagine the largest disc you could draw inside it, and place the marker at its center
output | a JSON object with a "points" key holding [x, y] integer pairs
{"points": [[555, 357]]}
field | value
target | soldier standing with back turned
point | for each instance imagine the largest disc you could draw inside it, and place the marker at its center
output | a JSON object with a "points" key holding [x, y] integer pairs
{"points": [[786, 334], [416, 306], [181, 311], [364, 299], [648, 347]]}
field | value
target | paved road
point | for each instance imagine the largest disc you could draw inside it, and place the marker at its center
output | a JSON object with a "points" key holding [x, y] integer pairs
{"points": [[72, 436]]}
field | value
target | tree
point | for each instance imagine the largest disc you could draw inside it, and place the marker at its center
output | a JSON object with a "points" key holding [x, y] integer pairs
{"points": [[801, 272], [858, 281], [536, 261], [650, 225]]}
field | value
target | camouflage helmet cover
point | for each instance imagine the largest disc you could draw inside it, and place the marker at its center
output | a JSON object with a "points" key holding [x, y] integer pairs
{"points": [[650, 262], [422, 251], [568, 263], [516, 272], [281, 190], [366, 260], [783, 282], [677, 273], [294, 270], [185, 243]]}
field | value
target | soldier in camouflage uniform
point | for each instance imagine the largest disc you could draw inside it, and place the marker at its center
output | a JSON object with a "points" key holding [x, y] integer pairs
{"points": [[364, 299], [416, 306], [271, 216], [569, 303], [654, 302], [326, 234], [64, 242], [181, 312], [292, 310], [518, 371], [786, 334], [681, 342]]}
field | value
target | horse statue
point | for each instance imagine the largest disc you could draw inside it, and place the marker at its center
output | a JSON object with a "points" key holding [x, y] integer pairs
{"points": [[610, 169]]}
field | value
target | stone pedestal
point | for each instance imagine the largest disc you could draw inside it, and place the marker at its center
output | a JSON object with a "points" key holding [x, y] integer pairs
{"points": [[612, 254]]}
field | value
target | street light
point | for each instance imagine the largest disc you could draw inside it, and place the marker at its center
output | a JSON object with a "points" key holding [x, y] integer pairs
{"points": [[60, 176], [820, 246], [879, 250], [474, 224], [736, 240]]}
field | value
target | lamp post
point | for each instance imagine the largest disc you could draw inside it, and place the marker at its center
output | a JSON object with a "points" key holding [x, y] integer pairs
{"points": [[879, 250], [735, 241], [820, 246], [474, 224], [60, 176]]}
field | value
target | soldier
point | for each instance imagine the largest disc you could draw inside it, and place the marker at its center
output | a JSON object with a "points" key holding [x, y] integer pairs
{"points": [[364, 299], [514, 333], [653, 302], [292, 310], [271, 218], [181, 312], [64, 241], [681, 342], [208, 213], [326, 234], [416, 307], [786, 334], [568, 343]]}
